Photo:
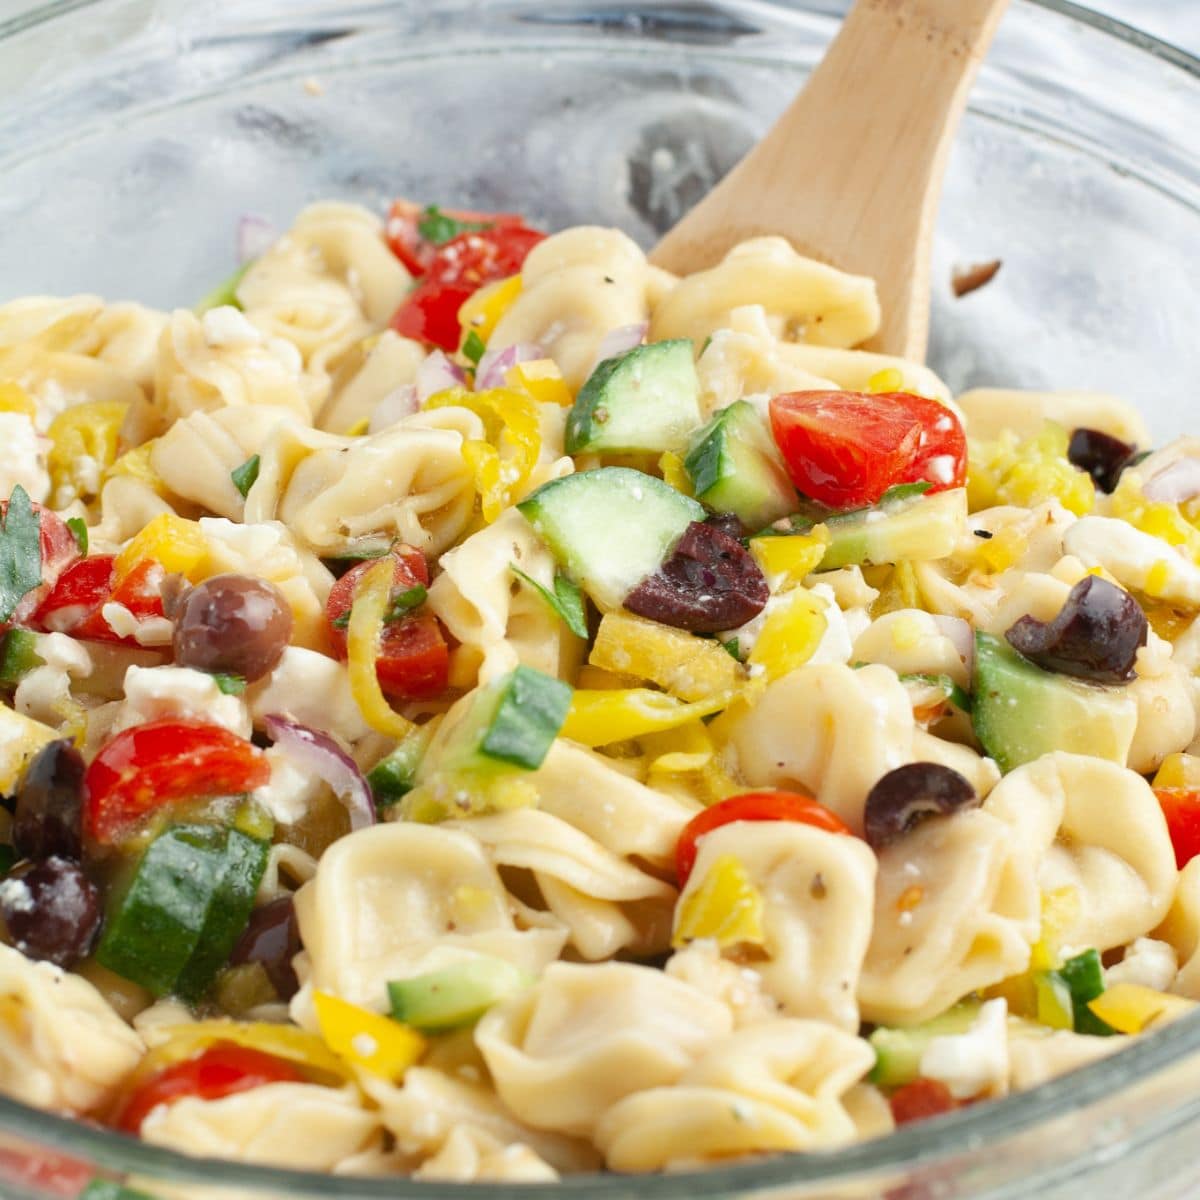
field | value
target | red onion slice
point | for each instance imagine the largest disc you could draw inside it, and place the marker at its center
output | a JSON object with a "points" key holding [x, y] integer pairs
{"points": [[436, 374], [619, 340], [1175, 483], [399, 403], [255, 236], [317, 752], [961, 636], [496, 364]]}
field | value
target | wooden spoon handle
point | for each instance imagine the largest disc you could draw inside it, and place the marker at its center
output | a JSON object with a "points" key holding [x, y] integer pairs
{"points": [[860, 153]]}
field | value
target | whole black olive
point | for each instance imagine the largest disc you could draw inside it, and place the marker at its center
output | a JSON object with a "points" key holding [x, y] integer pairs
{"points": [[47, 820], [1101, 455], [232, 625], [272, 939], [709, 583], [52, 910], [905, 797], [1096, 634]]}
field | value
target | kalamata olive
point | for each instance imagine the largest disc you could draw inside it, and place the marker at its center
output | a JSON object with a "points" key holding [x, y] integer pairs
{"points": [[728, 523], [1096, 634], [48, 817], [708, 584], [1101, 455], [52, 910], [905, 797], [272, 939], [234, 625]]}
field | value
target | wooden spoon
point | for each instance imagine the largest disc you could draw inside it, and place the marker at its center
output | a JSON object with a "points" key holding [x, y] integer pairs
{"points": [[852, 172]]}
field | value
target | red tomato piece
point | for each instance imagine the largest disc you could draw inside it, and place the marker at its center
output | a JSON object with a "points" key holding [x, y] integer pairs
{"points": [[414, 657], [430, 314], [148, 766], [453, 273], [222, 1070], [750, 806], [76, 601], [1181, 807], [45, 1173], [845, 449], [58, 550], [413, 250], [920, 1100]]}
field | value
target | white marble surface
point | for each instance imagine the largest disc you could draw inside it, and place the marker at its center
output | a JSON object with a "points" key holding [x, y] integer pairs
{"points": [[1175, 21]]}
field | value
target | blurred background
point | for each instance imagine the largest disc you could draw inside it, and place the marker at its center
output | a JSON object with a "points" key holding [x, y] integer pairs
{"points": [[1175, 21]]}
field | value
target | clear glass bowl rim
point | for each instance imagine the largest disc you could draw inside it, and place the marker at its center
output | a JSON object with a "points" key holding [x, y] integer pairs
{"points": [[976, 1128]]}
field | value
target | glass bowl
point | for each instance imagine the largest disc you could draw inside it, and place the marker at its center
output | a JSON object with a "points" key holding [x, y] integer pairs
{"points": [[134, 133]]}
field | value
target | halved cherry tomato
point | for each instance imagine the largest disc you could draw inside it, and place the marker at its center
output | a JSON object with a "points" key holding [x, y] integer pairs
{"points": [[76, 601], [222, 1070], [44, 1173], [921, 1099], [845, 449], [148, 766], [413, 249], [750, 806], [455, 271], [414, 657], [58, 548], [1181, 807]]}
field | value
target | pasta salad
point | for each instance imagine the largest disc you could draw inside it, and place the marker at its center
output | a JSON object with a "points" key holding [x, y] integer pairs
{"points": [[479, 707]]}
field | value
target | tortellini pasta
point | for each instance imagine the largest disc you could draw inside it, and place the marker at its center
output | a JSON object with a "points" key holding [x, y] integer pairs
{"points": [[1096, 827]]}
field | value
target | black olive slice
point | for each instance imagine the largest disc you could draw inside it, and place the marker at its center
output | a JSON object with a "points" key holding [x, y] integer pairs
{"points": [[709, 583], [1095, 636], [905, 797], [1101, 455]]}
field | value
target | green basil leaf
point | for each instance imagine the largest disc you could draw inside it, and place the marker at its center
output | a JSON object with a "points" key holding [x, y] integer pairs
{"points": [[20, 552], [474, 347], [438, 227], [732, 648], [78, 527], [244, 476], [566, 600], [404, 603], [231, 685]]}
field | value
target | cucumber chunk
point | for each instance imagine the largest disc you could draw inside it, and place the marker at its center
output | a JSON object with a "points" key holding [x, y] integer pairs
{"points": [[611, 527], [736, 467], [393, 777], [18, 655], [153, 929], [898, 1051], [457, 995], [909, 528], [245, 860], [1021, 712], [512, 722], [647, 399]]}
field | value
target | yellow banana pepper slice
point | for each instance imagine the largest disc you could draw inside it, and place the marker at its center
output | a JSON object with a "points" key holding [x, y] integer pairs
{"points": [[790, 635], [726, 907], [789, 559], [1132, 1008], [481, 313], [83, 444], [179, 545], [600, 718], [365, 1039], [542, 379], [15, 399], [367, 611]]}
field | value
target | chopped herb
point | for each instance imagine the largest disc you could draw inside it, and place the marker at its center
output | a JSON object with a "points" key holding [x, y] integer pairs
{"points": [[224, 294], [78, 527], [474, 347], [566, 600], [244, 476], [342, 622], [707, 343], [904, 491], [20, 552], [438, 227], [952, 692], [732, 649], [404, 603], [231, 685], [106, 1189], [986, 534]]}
